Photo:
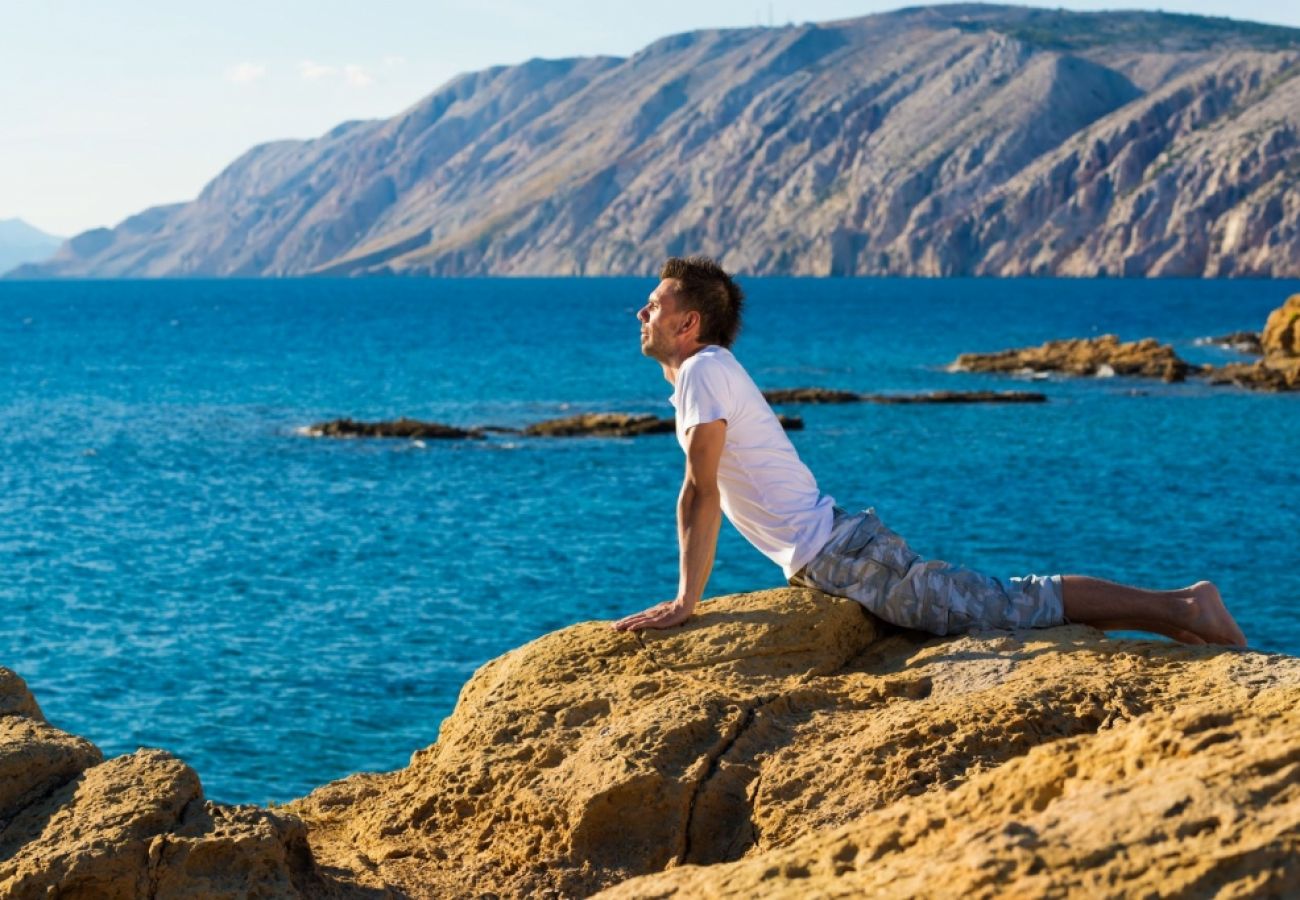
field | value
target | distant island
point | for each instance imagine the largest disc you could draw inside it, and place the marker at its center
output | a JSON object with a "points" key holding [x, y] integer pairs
{"points": [[22, 243], [935, 141]]}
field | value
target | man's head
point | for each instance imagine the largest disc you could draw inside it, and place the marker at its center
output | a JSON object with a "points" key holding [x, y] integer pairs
{"points": [[696, 303]]}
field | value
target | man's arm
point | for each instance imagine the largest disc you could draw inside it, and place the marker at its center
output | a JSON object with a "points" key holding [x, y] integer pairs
{"points": [[699, 516]]}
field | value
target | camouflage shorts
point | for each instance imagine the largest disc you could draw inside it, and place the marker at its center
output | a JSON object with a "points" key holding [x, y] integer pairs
{"points": [[866, 562]]}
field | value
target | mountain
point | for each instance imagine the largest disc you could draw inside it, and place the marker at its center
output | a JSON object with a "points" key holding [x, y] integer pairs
{"points": [[21, 243], [947, 140]]}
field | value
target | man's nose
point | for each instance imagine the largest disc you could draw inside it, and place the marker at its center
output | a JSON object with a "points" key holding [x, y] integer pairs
{"points": [[643, 314]]}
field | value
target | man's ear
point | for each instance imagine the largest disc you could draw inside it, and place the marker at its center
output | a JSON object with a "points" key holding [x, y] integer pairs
{"points": [[692, 317]]}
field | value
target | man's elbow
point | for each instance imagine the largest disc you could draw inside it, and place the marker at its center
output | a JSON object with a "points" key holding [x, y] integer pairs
{"points": [[706, 495]]}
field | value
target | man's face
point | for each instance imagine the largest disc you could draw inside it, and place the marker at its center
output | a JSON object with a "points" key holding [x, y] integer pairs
{"points": [[660, 320]]}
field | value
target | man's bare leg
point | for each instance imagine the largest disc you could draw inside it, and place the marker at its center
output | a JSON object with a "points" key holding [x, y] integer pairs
{"points": [[1193, 615]]}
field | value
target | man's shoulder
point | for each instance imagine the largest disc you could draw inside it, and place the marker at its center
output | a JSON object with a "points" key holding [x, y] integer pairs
{"points": [[711, 362]]}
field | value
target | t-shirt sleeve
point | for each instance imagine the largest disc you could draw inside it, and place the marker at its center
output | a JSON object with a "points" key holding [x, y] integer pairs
{"points": [[703, 396]]}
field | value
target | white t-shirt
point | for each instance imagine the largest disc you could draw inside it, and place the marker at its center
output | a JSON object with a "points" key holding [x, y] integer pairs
{"points": [[767, 492]]}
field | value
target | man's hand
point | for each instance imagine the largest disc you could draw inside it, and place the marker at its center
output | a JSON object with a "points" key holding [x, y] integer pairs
{"points": [[661, 615]]}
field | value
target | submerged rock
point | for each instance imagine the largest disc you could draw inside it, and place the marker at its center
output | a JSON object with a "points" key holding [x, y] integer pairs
{"points": [[1104, 355], [781, 743], [397, 428], [1241, 341]]}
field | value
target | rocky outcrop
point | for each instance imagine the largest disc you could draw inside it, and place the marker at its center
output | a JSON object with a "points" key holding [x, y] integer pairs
{"points": [[75, 825], [1104, 355], [827, 395], [601, 425], [1279, 370], [397, 428], [811, 395], [960, 397], [620, 425], [952, 140], [781, 743], [1281, 335], [1268, 374]]}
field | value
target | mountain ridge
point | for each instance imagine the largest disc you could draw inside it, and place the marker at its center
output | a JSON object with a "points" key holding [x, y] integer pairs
{"points": [[21, 242], [954, 140]]}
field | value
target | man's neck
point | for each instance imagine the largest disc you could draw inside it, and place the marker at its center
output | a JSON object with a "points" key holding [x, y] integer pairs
{"points": [[673, 366]]}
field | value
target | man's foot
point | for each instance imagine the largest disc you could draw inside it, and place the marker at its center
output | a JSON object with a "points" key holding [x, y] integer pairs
{"points": [[1209, 619]]}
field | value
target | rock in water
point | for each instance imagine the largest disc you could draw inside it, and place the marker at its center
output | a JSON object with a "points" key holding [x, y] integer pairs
{"points": [[601, 425], [811, 395], [620, 425], [1281, 335], [398, 428], [828, 395], [960, 397], [1241, 341], [1279, 370], [1083, 356]]}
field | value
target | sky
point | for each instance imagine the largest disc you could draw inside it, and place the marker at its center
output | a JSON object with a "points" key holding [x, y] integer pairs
{"points": [[107, 109]]}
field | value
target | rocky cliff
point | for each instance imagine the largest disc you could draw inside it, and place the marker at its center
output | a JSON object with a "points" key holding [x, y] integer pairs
{"points": [[951, 140], [780, 744]]}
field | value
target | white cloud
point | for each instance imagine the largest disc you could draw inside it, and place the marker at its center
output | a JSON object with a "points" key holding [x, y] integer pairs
{"points": [[357, 76], [245, 73], [313, 71], [392, 62]]}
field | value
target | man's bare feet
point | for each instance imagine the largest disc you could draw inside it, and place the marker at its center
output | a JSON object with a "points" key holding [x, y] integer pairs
{"points": [[1209, 619]]}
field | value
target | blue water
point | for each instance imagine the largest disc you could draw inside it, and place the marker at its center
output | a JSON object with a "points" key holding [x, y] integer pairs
{"points": [[180, 569]]}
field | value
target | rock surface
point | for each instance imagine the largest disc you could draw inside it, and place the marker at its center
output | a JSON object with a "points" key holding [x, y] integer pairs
{"points": [[397, 428], [74, 825], [1083, 356], [949, 140], [1281, 335], [1269, 374], [782, 743]]}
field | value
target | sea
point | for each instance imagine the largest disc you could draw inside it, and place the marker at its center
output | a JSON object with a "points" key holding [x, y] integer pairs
{"points": [[181, 568]]}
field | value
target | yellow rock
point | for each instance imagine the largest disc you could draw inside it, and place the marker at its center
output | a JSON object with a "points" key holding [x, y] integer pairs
{"points": [[781, 744], [1281, 336]]}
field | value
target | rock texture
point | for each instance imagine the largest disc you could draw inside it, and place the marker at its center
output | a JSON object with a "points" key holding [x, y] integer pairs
{"points": [[1281, 335], [950, 140], [1105, 355], [781, 743], [74, 825]]}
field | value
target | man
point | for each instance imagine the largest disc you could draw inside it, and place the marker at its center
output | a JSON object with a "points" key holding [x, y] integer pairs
{"points": [[739, 461]]}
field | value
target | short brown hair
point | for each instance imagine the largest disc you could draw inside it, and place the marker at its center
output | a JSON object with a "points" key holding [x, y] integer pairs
{"points": [[709, 291]]}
